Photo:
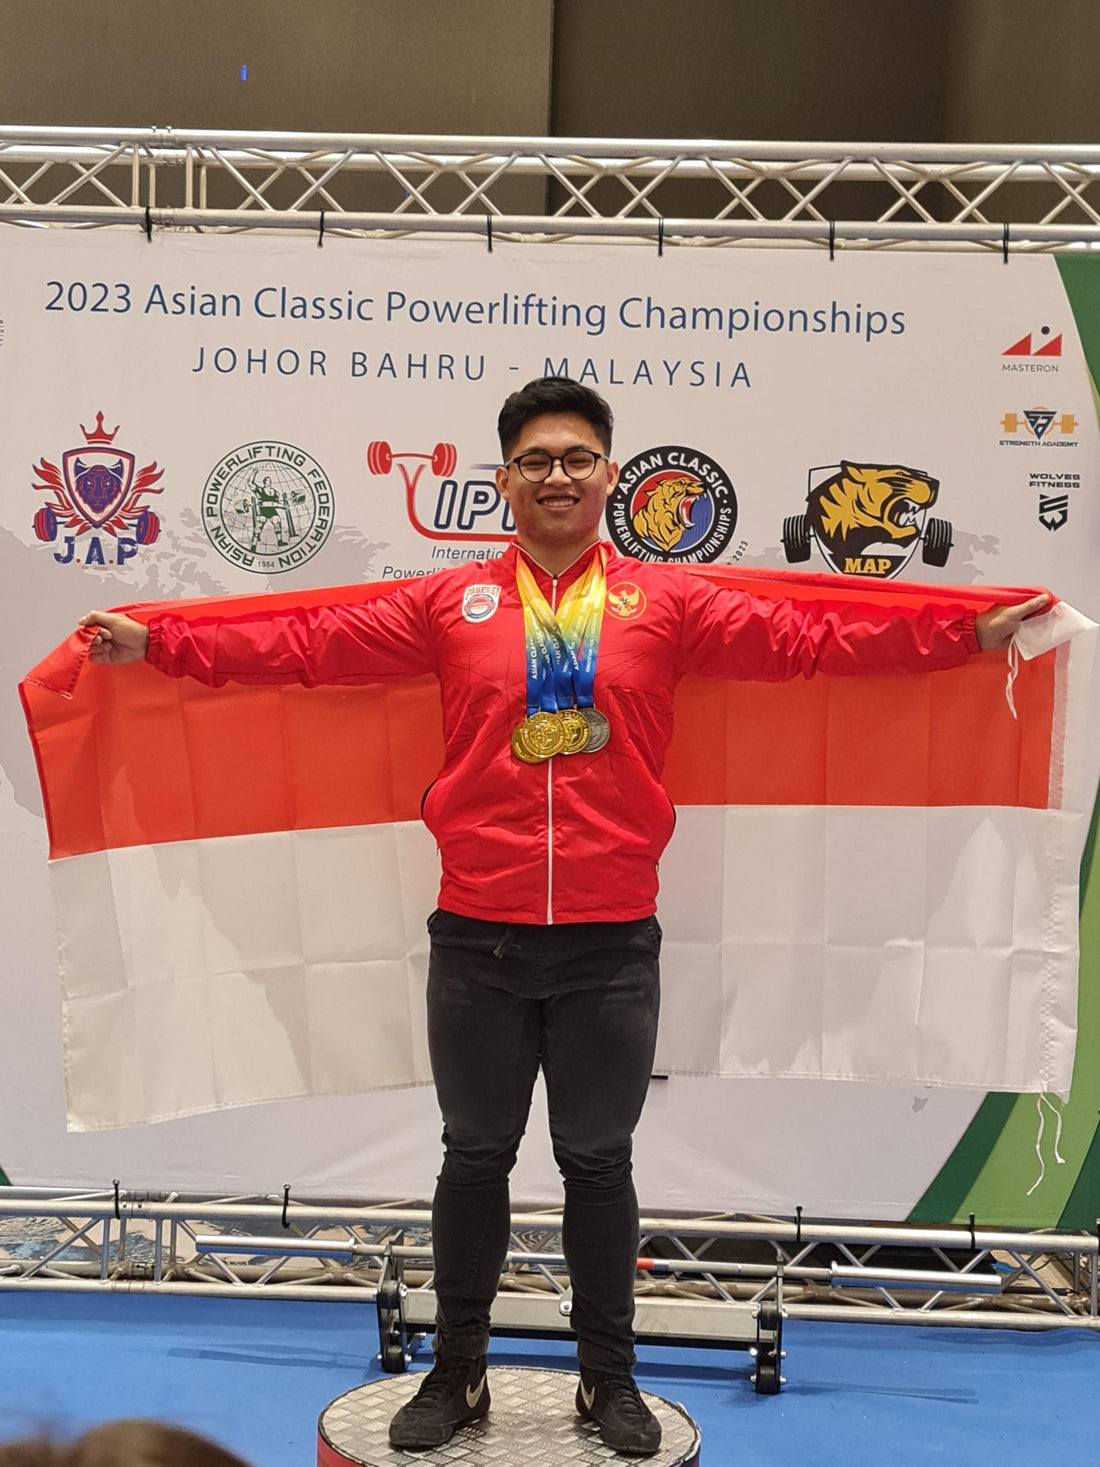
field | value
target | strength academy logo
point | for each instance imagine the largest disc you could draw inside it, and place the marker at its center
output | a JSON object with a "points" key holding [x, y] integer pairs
{"points": [[267, 507], [97, 492], [1039, 427], [672, 503], [868, 519]]}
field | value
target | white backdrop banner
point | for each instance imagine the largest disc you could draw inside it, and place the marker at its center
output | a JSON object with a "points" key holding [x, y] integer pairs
{"points": [[197, 416]]}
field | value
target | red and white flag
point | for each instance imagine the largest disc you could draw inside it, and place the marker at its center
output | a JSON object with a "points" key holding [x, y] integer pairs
{"points": [[872, 878]]}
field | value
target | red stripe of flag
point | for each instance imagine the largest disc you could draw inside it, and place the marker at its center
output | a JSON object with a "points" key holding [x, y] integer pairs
{"points": [[131, 757]]}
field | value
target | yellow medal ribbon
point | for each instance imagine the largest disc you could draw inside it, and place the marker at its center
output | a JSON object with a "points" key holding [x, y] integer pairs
{"points": [[560, 649]]}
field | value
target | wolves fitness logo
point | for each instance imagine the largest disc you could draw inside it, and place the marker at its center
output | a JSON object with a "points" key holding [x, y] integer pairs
{"points": [[672, 503], [97, 491], [267, 507], [868, 519]]}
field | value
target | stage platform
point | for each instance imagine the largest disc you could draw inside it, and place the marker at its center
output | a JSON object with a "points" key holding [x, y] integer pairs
{"points": [[533, 1423]]}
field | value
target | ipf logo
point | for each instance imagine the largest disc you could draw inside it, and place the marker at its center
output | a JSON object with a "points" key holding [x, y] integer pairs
{"points": [[97, 491], [447, 509]]}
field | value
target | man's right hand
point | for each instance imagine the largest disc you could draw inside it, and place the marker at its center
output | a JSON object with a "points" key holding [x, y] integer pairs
{"points": [[118, 638]]}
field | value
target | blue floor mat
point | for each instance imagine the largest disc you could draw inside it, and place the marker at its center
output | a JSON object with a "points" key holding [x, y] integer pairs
{"points": [[256, 1374]]}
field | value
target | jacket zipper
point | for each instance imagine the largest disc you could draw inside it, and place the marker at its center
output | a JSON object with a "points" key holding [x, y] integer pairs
{"points": [[550, 799]]}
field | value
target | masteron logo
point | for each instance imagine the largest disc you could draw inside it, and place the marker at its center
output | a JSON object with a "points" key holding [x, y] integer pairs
{"points": [[267, 507], [1038, 351]]}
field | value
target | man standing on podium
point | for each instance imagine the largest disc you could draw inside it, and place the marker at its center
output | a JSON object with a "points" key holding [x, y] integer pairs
{"points": [[557, 665]]}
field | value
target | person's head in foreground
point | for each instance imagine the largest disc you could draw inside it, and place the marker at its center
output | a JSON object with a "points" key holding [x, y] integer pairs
{"points": [[121, 1444]]}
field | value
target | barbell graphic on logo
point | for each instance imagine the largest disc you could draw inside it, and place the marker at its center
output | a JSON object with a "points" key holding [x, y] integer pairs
{"points": [[460, 511], [443, 459], [1039, 422]]}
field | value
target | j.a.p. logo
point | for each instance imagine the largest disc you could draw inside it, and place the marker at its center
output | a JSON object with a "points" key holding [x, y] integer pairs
{"points": [[97, 492]]}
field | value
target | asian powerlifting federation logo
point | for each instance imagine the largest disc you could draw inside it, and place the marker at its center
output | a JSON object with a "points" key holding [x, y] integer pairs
{"points": [[672, 503], [97, 491], [267, 507]]}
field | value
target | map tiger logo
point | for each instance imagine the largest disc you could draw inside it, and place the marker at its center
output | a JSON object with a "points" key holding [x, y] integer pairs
{"points": [[868, 519], [672, 503], [97, 491]]}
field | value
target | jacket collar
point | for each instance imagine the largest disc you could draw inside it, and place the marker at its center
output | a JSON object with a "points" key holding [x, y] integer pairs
{"points": [[572, 571]]}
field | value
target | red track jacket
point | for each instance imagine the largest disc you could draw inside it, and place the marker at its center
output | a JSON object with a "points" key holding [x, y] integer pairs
{"points": [[575, 839]]}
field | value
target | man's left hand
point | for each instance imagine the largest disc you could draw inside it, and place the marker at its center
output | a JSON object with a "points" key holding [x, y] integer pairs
{"points": [[997, 626]]}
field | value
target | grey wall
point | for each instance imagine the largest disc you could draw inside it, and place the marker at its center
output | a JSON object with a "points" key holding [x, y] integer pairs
{"points": [[1024, 71], [450, 66], [782, 69], [870, 70]]}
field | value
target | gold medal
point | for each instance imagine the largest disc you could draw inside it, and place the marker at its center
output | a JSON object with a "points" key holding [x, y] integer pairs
{"points": [[576, 730], [538, 737]]}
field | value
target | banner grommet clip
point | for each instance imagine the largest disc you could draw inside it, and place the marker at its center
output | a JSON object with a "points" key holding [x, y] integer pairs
{"points": [[660, 236], [321, 230], [1004, 243], [148, 224], [286, 1203], [832, 238], [489, 232]]}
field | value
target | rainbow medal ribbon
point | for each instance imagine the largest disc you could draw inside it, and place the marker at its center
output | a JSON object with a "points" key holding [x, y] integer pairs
{"points": [[560, 654]]}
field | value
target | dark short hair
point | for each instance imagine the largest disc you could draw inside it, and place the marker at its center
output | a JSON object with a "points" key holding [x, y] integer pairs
{"points": [[121, 1444], [553, 395]]}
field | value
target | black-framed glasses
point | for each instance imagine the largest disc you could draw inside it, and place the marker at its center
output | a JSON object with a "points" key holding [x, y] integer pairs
{"points": [[577, 463]]}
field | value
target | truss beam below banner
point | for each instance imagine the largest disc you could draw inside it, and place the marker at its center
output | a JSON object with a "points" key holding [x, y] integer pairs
{"points": [[701, 1278]]}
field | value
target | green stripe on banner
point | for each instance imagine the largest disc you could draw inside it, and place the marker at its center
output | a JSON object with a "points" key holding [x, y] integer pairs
{"points": [[1083, 1208], [943, 1201], [995, 1164], [1082, 284], [4, 1178]]}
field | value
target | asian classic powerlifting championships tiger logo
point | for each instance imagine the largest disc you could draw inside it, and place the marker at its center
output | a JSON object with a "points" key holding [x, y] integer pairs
{"points": [[672, 503], [868, 519]]}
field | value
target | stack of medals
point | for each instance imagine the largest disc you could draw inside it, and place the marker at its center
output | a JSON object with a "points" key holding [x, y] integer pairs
{"points": [[561, 653]]}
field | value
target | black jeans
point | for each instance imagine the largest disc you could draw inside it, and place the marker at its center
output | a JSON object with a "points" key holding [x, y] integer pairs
{"points": [[580, 999]]}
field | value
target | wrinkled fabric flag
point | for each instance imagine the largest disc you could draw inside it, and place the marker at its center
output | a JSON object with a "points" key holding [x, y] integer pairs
{"points": [[872, 878]]}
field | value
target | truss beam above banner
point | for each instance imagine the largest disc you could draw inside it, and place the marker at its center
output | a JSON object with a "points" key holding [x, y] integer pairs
{"points": [[676, 192]]}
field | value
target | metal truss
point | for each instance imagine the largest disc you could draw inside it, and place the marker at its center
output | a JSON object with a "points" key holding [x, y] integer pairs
{"points": [[702, 1279], [839, 195]]}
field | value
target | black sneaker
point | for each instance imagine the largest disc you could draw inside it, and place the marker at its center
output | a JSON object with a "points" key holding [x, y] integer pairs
{"points": [[625, 1422], [453, 1393]]}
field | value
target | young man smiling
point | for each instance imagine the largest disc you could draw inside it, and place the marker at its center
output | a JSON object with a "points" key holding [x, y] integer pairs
{"points": [[557, 665]]}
